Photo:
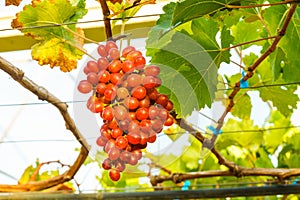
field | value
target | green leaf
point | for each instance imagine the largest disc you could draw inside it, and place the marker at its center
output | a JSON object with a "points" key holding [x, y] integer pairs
{"points": [[187, 71], [240, 136], [241, 32], [242, 107], [190, 9], [282, 99], [262, 159], [278, 61], [162, 26], [191, 59], [275, 137], [125, 13], [26, 174], [51, 15]]}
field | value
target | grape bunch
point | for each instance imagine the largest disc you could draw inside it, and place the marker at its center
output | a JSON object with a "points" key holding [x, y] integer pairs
{"points": [[126, 97]]}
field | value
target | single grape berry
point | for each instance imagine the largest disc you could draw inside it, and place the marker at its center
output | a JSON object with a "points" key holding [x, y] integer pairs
{"points": [[139, 92], [121, 142], [114, 174], [152, 70], [84, 87], [127, 50], [106, 164]]}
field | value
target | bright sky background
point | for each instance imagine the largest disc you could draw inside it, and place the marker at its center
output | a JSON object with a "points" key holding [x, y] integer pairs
{"points": [[38, 131]]}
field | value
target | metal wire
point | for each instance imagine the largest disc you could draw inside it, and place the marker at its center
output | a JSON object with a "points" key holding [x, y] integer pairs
{"points": [[76, 23]]}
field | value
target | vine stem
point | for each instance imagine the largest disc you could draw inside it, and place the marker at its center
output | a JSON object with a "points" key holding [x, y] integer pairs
{"points": [[280, 173], [43, 94], [106, 14]]}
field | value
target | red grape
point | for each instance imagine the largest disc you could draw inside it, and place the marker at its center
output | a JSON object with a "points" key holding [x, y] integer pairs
{"points": [[114, 53], [145, 103], [109, 45], [139, 92], [115, 78], [131, 103], [142, 113], [114, 174], [162, 99], [102, 50], [116, 132], [93, 78], [101, 87], [134, 80], [152, 70], [114, 153], [102, 63], [107, 113], [128, 66], [104, 76], [101, 141], [106, 164], [121, 142], [139, 62], [92, 66], [84, 86], [134, 137], [127, 50], [115, 66], [122, 92], [133, 54], [120, 165]]}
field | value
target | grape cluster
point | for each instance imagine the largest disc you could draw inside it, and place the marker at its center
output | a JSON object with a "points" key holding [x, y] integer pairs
{"points": [[126, 97]]}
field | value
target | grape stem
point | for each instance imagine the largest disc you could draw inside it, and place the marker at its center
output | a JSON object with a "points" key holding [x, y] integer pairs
{"points": [[106, 13]]}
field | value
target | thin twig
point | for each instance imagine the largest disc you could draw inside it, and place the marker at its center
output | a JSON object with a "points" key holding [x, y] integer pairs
{"points": [[249, 42]]}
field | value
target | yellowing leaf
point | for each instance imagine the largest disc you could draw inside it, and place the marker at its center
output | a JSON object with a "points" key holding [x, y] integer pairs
{"points": [[56, 53], [52, 23]]}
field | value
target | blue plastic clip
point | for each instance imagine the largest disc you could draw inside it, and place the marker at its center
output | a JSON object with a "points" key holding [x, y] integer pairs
{"points": [[186, 185], [214, 130], [244, 84], [296, 181]]}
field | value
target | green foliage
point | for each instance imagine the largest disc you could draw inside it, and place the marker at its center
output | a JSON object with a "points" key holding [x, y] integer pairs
{"points": [[59, 45]]}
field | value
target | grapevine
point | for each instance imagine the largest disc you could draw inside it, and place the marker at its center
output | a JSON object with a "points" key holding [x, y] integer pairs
{"points": [[125, 95]]}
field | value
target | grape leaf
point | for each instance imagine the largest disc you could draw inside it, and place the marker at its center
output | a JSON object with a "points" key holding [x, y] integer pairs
{"points": [[278, 60], [59, 45], [263, 159], [185, 11], [242, 34], [240, 137], [284, 99], [162, 25], [242, 107], [121, 11], [12, 2], [274, 137]]}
